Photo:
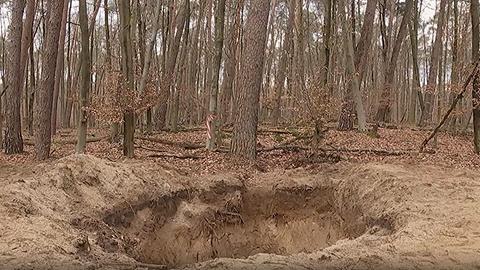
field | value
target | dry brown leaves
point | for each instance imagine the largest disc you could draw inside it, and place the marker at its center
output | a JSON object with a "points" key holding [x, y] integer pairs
{"points": [[450, 151]]}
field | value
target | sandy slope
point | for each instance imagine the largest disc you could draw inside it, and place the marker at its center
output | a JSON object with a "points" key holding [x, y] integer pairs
{"points": [[86, 213]]}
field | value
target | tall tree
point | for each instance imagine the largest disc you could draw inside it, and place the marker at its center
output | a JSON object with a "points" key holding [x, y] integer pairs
{"points": [[475, 13], [244, 141], [356, 61], [85, 78], [27, 43], [415, 92], [230, 62], [151, 45], [434, 65], [44, 94], [455, 63], [149, 58], [282, 69], [59, 72], [13, 132], [327, 37], [217, 61], [126, 48], [353, 95], [385, 98], [169, 72]]}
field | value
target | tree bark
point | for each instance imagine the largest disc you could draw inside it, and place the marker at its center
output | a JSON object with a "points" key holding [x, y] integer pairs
{"points": [[282, 69], [44, 97], [149, 52], [356, 71], [475, 13], [168, 76], [85, 79], [415, 92], [385, 98], [431, 87], [212, 118], [60, 68], [148, 58], [126, 47], [27, 43], [353, 95], [13, 132], [244, 141]]}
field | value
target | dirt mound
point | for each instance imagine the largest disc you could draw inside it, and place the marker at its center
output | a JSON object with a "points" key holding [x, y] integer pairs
{"points": [[53, 213], [87, 213]]}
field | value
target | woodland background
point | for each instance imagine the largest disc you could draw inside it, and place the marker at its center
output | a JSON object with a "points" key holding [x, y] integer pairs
{"points": [[299, 67]]}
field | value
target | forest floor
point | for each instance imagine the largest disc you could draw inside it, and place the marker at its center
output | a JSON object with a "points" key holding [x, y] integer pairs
{"points": [[356, 203]]}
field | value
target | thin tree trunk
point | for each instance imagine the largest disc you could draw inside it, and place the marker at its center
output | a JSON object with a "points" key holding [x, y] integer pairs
{"points": [[455, 64], [179, 78], [385, 98], [230, 63], [351, 73], [148, 59], [59, 72], [27, 43], [212, 118], [426, 117], [282, 69], [475, 13], [85, 79], [126, 46], [327, 36], [168, 76], [356, 72]]}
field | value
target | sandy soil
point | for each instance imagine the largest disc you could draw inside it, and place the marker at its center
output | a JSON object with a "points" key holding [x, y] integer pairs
{"points": [[82, 212]]}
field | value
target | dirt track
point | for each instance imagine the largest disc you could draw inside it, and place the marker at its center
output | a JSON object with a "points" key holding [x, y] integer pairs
{"points": [[86, 213]]}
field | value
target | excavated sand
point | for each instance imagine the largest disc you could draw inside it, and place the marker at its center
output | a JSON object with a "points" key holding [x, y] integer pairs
{"points": [[82, 212]]}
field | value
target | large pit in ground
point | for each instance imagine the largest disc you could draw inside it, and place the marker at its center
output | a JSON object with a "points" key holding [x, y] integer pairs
{"points": [[190, 227]]}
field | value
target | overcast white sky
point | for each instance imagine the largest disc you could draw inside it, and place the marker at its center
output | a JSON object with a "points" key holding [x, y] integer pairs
{"points": [[428, 11]]}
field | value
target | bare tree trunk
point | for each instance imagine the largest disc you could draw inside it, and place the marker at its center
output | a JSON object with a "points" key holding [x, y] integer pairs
{"points": [[230, 63], [13, 132], [353, 77], [244, 141], [299, 65], [193, 70], [434, 64], [455, 64], [27, 38], [327, 37], [126, 46], [356, 72], [148, 54], [385, 98], [179, 78], [31, 94], [85, 79], [212, 118], [475, 13], [148, 58], [60, 68], [44, 97], [282, 69], [168, 76]]}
